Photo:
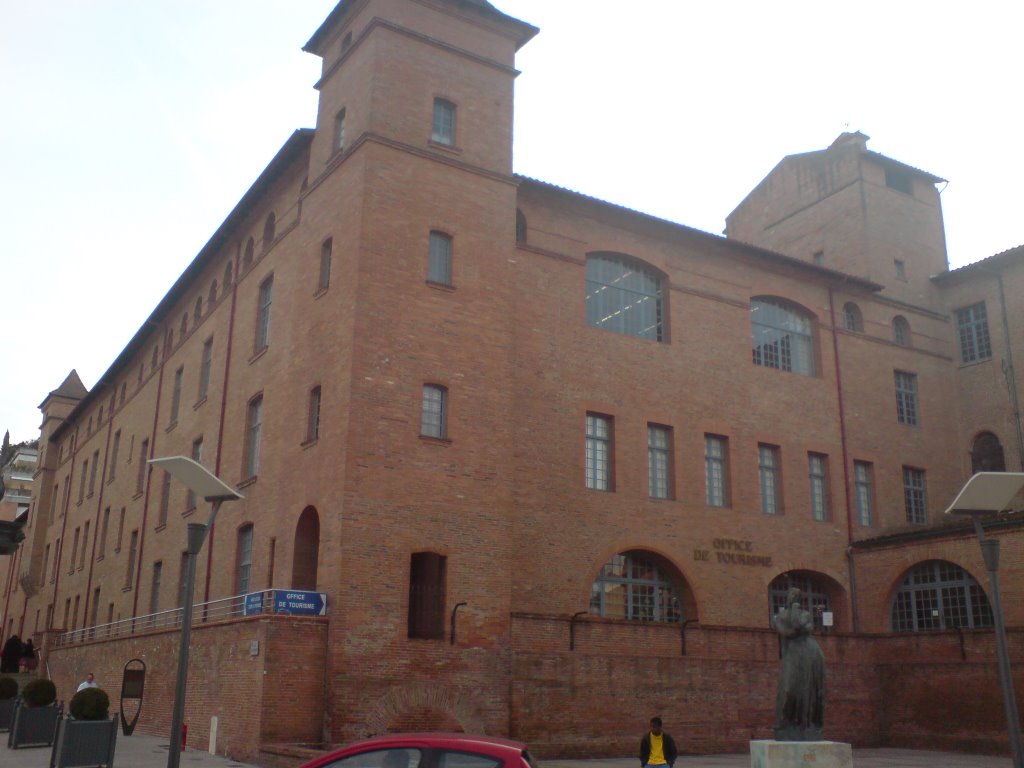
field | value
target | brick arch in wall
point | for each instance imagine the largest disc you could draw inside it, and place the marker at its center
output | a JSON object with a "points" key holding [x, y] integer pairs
{"points": [[942, 588], [424, 706]]}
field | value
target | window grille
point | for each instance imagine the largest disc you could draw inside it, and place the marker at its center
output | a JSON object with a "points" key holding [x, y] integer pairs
{"points": [[972, 329], [624, 297], [782, 337], [599, 452], [633, 586], [939, 595]]}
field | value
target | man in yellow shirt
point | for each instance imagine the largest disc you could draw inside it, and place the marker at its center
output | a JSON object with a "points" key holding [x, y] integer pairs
{"points": [[657, 748]]}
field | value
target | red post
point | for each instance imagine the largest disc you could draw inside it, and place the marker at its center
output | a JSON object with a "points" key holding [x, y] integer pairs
{"points": [[184, 735]]}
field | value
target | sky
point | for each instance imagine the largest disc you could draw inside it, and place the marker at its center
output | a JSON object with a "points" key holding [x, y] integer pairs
{"points": [[130, 129]]}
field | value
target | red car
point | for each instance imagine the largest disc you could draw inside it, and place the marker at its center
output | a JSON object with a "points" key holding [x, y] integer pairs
{"points": [[428, 750]]}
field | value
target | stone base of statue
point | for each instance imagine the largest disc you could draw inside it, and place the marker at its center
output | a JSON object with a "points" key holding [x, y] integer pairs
{"points": [[769, 753]]}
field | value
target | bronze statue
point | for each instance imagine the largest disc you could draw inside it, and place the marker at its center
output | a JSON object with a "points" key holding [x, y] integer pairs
{"points": [[800, 701]]}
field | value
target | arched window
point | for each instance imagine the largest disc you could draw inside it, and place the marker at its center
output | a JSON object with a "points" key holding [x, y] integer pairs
{"points": [[852, 318], [520, 226], [901, 331], [624, 296], [212, 297], [250, 246], [813, 593], [939, 595], [269, 229], [987, 454], [227, 275], [307, 550], [633, 585], [197, 312], [183, 328], [782, 336]]}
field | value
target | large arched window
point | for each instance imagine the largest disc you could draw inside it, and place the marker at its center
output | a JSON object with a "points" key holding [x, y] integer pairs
{"points": [[782, 336], [813, 594], [624, 296], [632, 585], [901, 331], [852, 318], [939, 595], [987, 454]]}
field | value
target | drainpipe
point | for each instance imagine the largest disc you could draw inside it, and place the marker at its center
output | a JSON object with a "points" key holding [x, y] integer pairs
{"points": [[854, 613]]}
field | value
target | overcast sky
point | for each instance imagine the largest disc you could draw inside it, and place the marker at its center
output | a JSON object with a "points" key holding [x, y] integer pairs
{"points": [[130, 128]]}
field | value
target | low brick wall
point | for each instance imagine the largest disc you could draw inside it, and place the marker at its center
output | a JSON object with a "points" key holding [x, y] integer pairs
{"points": [[244, 690]]}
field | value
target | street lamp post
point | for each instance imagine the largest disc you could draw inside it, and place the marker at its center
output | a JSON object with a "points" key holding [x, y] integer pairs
{"points": [[985, 493], [203, 483]]}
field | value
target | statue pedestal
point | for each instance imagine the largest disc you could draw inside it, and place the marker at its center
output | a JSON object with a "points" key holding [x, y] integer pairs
{"points": [[768, 753]]}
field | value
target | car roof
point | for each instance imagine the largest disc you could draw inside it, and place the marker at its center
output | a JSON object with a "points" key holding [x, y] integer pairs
{"points": [[447, 740]]}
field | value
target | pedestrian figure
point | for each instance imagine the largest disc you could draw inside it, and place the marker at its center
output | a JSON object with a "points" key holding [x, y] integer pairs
{"points": [[10, 656], [28, 657], [657, 748], [89, 682]]}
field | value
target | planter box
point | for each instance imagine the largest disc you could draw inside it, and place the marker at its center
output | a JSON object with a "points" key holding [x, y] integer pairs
{"points": [[84, 743], [6, 713], [34, 726]]}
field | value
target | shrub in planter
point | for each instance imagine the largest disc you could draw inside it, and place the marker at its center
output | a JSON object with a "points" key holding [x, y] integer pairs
{"points": [[39, 693], [90, 704]]}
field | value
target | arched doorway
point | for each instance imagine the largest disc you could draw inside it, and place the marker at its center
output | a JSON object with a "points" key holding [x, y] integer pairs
{"points": [[307, 550]]}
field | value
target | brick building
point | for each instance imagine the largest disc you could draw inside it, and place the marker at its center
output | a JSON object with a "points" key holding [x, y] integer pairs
{"points": [[552, 461]]}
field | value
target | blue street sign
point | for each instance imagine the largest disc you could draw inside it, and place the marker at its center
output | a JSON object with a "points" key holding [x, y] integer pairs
{"points": [[253, 603], [301, 603]]}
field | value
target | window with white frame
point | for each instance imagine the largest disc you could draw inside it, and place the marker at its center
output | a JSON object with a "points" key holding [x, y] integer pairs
{"points": [[716, 470], [205, 367], [339, 131], [864, 491], [434, 413], [768, 465], [915, 499], [852, 318], [659, 461], [599, 452], [243, 569], [634, 586], [938, 595], [263, 313], [782, 336], [817, 471], [179, 378], [906, 397], [624, 296], [901, 331], [972, 330], [443, 130], [253, 433]]}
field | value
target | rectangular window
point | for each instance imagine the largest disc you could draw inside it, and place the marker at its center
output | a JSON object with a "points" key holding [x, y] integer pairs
{"points": [[56, 560], [439, 259], [324, 279], [339, 131], [74, 617], [244, 558], [140, 478], [313, 415], [179, 377], [112, 469], [74, 551], [600, 442], [81, 482], [253, 428], [154, 591], [85, 545], [771, 488], [434, 416], [165, 500], [120, 530], [204, 368], [864, 491], [817, 472], [972, 330], [906, 397], [716, 470], [104, 530], [659, 461], [95, 607], [92, 473], [914, 498], [427, 586], [133, 552], [46, 566], [53, 501], [901, 268], [197, 457], [263, 314], [443, 131], [899, 180]]}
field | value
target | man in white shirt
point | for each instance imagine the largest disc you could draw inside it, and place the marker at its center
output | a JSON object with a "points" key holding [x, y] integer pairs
{"points": [[89, 682]]}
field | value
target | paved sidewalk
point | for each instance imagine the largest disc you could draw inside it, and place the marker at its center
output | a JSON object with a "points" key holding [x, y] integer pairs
{"points": [[142, 751]]}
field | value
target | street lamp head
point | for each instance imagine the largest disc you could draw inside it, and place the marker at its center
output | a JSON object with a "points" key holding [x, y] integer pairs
{"points": [[988, 492], [196, 478]]}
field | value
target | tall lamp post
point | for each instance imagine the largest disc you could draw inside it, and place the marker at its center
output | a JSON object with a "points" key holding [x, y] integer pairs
{"points": [[202, 483], [985, 493]]}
